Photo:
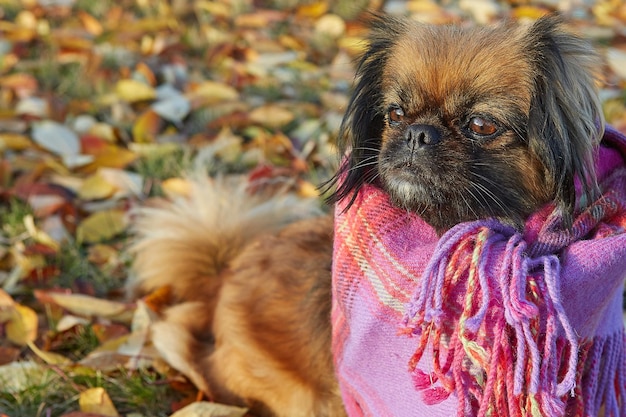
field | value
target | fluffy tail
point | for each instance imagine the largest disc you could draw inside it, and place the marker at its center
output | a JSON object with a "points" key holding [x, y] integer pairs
{"points": [[185, 244]]}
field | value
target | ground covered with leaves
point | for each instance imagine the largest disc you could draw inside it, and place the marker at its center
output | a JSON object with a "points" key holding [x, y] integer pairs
{"points": [[107, 104]]}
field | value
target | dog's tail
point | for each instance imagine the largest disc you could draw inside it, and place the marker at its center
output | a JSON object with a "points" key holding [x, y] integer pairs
{"points": [[185, 244]]}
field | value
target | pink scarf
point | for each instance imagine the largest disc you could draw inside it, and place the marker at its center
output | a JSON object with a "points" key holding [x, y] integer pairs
{"points": [[483, 321]]}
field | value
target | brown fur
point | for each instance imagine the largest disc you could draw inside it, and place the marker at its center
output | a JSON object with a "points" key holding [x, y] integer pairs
{"points": [[250, 320], [250, 323]]}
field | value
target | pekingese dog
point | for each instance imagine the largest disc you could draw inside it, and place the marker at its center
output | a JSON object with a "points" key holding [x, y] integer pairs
{"points": [[454, 123]]}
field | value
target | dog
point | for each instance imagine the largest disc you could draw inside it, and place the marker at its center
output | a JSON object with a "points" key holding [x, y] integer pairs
{"points": [[454, 123]]}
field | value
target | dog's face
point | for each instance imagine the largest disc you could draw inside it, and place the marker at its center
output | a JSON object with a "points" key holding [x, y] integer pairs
{"points": [[462, 124]]}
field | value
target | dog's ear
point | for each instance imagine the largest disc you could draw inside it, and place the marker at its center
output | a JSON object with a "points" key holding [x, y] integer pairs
{"points": [[565, 119], [363, 122]]}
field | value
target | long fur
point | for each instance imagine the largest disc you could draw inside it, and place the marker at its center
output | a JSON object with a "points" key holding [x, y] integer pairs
{"points": [[559, 128], [251, 288]]}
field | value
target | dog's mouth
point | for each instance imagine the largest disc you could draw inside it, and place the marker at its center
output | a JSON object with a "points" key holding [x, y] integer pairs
{"points": [[412, 180]]}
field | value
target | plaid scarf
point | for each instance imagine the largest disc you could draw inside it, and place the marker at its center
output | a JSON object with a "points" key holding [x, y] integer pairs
{"points": [[483, 321]]}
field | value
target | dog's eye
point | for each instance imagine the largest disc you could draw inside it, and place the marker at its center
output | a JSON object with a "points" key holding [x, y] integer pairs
{"points": [[482, 126], [396, 115]]}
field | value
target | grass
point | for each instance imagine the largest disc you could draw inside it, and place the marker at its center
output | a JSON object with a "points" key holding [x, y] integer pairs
{"points": [[12, 218], [52, 393]]}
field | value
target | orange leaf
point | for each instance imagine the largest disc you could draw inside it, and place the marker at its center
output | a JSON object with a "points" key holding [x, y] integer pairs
{"points": [[90, 23], [147, 126], [113, 157]]}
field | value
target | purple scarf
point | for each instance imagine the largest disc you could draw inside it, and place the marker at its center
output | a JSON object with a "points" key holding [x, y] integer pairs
{"points": [[484, 320]]}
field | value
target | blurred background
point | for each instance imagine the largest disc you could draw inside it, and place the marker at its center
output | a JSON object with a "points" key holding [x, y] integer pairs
{"points": [[105, 105]]}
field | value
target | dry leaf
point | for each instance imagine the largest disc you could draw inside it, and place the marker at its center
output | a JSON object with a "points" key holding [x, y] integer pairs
{"points": [[174, 109], [147, 126], [21, 328], [101, 226], [90, 23], [96, 400], [96, 187], [134, 91], [616, 59], [14, 141], [19, 376], [56, 138], [271, 115], [206, 409], [50, 358], [176, 187], [68, 321], [114, 157], [211, 92], [87, 306]]}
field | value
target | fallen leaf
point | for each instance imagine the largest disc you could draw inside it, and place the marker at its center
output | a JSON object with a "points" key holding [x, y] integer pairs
{"points": [[50, 358], [14, 141], [113, 157], [616, 59], [96, 400], [207, 409], [147, 126], [56, 138], [176, 187], [95, 187], [174, 109], [211, 92], [272, 116], [133, 91], [19, 376], [23, 84], [90, 23], [8, 354], [330, 25], [33, 106], [87, 306], [127, 183], [313, 9], [39, 235], [21, 328], [68, 321]]}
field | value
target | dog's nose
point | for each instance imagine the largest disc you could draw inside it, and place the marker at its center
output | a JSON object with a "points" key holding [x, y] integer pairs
{"points": [[418, 136]]}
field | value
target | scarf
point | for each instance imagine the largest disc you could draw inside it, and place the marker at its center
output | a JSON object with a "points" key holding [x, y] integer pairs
{"points": [[484, 320]]}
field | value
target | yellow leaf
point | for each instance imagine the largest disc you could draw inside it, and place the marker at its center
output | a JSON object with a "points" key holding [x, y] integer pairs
{"points": [[146, 127], [90, 23], [101, 226], [103, 131], [22, 327], [14, 141], [95, 187], [354, 45], [134, 91], [529, 12], [313, 10], [84, 305], [308, 190], [211, 92], [330, 25], [37, 234], [176, 187], [49, 357], [206, 409], [271, 115], [97, 401], [114, 157]]}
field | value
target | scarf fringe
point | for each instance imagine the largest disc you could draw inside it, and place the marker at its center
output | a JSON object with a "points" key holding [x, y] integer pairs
{"points": [[604, 381], [503, 343], [493, 326], [510, 349]]}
